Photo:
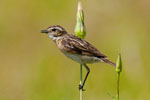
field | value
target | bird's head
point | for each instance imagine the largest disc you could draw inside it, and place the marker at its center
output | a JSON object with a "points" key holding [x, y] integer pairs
{"points": [[54, 31]]}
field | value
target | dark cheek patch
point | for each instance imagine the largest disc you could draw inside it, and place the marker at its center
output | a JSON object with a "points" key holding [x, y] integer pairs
{"points": [[57, 34]]}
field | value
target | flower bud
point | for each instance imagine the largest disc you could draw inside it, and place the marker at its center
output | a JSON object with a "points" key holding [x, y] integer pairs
{"points": [[80, 27], [119, 64]]}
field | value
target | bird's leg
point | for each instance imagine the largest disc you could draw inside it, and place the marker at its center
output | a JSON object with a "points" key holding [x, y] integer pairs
{"points": [[88, 71]]}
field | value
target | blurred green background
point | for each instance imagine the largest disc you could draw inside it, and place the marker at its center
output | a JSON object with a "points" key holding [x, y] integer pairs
{"points": [[32, 68]]}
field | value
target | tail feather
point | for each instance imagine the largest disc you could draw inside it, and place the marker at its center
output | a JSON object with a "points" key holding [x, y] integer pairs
{"points": [[106, 60]]}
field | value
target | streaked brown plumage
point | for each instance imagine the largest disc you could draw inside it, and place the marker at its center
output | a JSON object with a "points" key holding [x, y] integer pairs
{"points": [[75, 48]]}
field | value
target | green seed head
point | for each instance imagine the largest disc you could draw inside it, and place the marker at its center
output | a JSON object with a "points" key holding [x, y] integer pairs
{"points": [[119, 64], [80, 27]]}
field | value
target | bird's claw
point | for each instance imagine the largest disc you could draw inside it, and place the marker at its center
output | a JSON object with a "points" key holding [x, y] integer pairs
{"points": [[81, 87]]}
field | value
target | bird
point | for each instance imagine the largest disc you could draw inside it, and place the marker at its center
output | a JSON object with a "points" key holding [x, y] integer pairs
{"points": [[75, 48]]}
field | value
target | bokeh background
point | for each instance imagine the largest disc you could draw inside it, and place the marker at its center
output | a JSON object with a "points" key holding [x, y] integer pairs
{"points": [[32, 68]]}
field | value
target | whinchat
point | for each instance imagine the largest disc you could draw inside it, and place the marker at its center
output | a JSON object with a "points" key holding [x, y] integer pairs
{"points": [[75, 48]]}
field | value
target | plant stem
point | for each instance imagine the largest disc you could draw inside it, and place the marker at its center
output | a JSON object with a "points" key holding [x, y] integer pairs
{"points": [[81, 81], [118, 70], [118, 79]]}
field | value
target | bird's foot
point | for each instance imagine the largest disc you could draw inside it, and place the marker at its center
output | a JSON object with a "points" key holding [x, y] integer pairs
{"points": [[81, 87]]}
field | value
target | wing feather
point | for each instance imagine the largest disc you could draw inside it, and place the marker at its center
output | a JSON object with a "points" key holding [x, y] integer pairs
{"points": [[80, 46]]}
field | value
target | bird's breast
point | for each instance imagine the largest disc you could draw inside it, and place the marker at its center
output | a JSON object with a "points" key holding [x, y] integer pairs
{"points": [[60, 44]]}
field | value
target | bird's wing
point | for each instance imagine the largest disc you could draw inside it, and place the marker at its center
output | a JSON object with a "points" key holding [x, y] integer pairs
{"points": [[80, 46]]}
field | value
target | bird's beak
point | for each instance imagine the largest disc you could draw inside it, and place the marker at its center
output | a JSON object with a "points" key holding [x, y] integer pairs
{"points": [[44, 31]]}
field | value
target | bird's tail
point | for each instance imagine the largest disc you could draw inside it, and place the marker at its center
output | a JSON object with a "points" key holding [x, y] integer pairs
{"points": [[106, 60]]}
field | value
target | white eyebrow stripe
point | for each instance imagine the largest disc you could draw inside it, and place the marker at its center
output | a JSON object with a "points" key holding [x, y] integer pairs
{"points": [[56, 28]]}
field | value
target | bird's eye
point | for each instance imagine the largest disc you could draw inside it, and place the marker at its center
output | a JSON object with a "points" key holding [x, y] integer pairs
{"points": [[54, 30]]}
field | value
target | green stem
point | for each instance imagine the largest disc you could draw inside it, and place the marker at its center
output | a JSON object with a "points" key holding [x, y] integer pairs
{"points": [[81, 81], [118, 79]]}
